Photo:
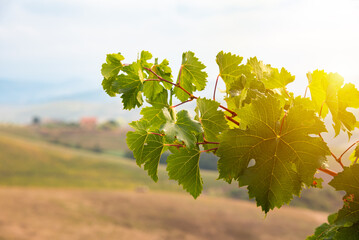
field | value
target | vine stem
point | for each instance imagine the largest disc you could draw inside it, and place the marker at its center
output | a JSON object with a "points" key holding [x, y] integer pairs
{"points": [[333, 155], [285, 90], [205, 142], [160, 80], [189, 100], [339, 160], [208, 150], [305, 93], [174, 145], [215, 87], [190, 94], [348, 149], [328, 171], [159, 134], [174, 84], [228, 110]]}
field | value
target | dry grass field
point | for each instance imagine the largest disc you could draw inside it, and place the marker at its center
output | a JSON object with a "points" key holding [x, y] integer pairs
{"points": [[42, 214]]}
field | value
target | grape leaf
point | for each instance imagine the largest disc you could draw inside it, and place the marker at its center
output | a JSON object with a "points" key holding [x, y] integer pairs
{"points": [[112, 66], [183, 128], [271, 77], [212, 120], [145, 56], [147, 148], [242, 91], [152, 88], [229, 68], [192, 77], [285, 156], [278, 79], [183, 166], [108, 86], [327, 93], [155, 116], [161, 100], [333, 231], [348, 181], [241, 84], [109, 71], [348, 233], [164, 71], [130, 85], [325, 232]]}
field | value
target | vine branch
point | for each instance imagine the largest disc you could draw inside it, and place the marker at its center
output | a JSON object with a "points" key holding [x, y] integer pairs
{"points": [[348, 149], [159, 134], [208, 150], [328, 171], [189, 100], [190, 94], [305, 93], [174, 84], [215, 87]]}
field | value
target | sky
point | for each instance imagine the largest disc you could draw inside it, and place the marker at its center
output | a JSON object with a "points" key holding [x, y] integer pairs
{"points": [[62, 41]]}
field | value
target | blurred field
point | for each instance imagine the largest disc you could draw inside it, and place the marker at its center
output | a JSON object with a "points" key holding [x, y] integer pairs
{"points": [[42, 214], [50, 191], [41, 164]]}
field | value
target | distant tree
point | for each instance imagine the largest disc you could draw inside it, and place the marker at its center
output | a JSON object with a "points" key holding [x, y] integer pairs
{"points": [[36, 120]]}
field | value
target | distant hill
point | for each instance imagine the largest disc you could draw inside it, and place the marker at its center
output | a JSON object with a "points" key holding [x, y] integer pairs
{"points": [[20, 101], [26, 160]]}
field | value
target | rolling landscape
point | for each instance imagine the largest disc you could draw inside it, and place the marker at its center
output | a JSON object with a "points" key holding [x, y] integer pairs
{"points": [[54, 191]]}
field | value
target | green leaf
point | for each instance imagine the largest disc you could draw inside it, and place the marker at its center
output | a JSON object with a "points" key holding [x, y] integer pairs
{"points": [[192, 78], [183, 128], [271, 77], [152, 88], [242, 91], [333, 231], [348, 181], [108, 86], [154, 116], [110, 70], [212, 120], [164, 71], [160, 101], [130, 85], [327, 93], [348, 233], [278, 79], [325, 232], [229, 66], [183, 166], [259, 69], [145, 56], [112, 66], [285, 154], [147, 148]]}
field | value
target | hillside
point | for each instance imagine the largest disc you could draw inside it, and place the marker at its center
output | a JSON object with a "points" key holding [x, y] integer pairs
{"points": [[68, 193], [28, 160], [37, 163], [41, 214]]}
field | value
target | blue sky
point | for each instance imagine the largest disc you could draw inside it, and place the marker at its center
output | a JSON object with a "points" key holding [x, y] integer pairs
{"points": [[67, 40]]}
